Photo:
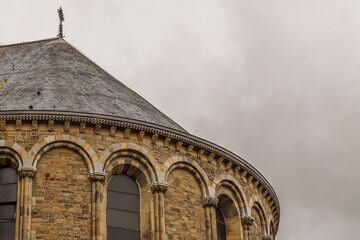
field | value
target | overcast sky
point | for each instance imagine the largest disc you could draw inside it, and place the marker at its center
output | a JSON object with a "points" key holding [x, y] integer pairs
{"points": [[274, 81]]}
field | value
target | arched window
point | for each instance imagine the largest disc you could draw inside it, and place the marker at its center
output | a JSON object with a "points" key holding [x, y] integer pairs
{"points": [[220, 225], [123, 209], [8, 190]]}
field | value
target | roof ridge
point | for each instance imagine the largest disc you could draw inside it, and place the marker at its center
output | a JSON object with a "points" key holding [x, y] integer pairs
{"points": [[22, 43]]}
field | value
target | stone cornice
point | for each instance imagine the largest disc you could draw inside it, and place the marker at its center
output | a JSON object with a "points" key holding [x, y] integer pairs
{"points": [[153, 129]]}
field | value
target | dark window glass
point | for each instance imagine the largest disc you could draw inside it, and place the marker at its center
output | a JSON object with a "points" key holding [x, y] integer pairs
{"points": [[220, 225], [123, 209], [8, 190]]}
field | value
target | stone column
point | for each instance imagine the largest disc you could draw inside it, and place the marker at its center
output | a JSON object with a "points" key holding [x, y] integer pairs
{"points": [[247, 222], [210, 205], [267, 237], [159, 189], [97, 207], [24, 223]]}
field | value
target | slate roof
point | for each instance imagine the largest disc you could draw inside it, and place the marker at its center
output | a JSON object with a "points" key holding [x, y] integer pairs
{"points": [[53, 75]]}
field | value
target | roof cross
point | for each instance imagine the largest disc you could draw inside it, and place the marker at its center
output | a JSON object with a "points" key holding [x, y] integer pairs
{"points": [[62, 19]]}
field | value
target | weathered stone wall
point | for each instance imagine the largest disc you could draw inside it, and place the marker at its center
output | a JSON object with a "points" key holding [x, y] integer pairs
{"points": [[61, 197], [184, 213]]}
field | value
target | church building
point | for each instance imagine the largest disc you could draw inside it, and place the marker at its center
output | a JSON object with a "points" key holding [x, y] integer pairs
{"points": [[82, 156]]}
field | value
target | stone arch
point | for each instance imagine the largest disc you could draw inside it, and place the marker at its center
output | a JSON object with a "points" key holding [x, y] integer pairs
{"points": [[131, 168], [230, 182], [65, 141], [129, 152], [194, 168], [11, 154], [257, 205], [229, 206]]}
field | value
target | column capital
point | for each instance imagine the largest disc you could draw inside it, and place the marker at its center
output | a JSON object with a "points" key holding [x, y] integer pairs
{"points": [[159, 187], [267, 237], [27, 173], [210, 202], [97, 178], [247, 220]]}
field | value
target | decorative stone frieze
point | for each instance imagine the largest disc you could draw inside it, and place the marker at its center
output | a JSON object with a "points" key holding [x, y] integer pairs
{"points": [[18, 126], [210, 202], [66, 126], [51, 125], [97, 129], [141, 135], [82, 127], [159, 187]]}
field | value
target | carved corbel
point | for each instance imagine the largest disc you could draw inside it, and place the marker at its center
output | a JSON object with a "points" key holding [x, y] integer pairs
{"points": [[2, 125], [82, 127], [51, 125], [159, 187], [200, 153], [243, 175], [154, 138], [97, 129], [249, 179], [34, 125], [237, 170], [189, 149], [127, 133], [66, 126], [210, 202], [211, 157], [112, 131], [220, 160], [178, 146], [18, 125], [167, 142], [256, 183], [141, 135], [228, 166]]}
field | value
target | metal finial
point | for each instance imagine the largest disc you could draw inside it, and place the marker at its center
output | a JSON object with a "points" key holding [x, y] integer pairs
{"points": [[62, 19]]}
